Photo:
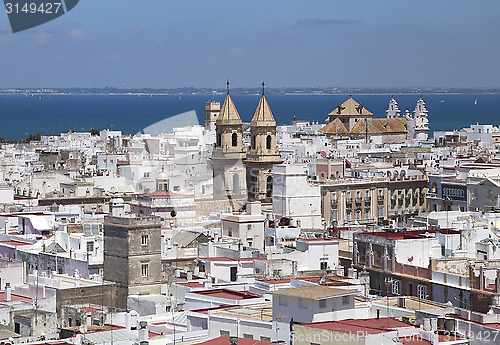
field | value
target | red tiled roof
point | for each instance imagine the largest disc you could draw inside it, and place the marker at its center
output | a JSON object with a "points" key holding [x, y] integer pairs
{"points": [[228, 294], [16, 243], [191, 284], [241, 341], [14, 298], [275, 281]]}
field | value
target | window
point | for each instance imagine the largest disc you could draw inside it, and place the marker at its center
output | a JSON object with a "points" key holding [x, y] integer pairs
{"points": [[247, 336], [422, 291], [219, 140], [268, 142], [146, 174], [90, 247], [302, 303], [410, 289], [234, 139], [144, 270], [282, 301], [223, 333], [144, 240], [230, 232], [322, 303], [345, 300], [323, 265], [269, 187], [396, 287], [268, 339], [236, 184]]}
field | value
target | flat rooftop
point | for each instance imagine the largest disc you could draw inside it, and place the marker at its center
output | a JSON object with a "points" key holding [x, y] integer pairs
{"points": [[313, 292], [227, 294], [367, 326]]}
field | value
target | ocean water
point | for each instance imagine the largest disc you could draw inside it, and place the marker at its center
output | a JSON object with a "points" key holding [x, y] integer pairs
{"points": [[48, 115]]}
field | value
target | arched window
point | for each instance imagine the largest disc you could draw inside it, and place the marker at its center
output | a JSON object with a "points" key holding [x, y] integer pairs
{"points": [[434, 187], [219, 140], [269, 186], [236, 184], [234, 138], [268, 142], [253, 141]]}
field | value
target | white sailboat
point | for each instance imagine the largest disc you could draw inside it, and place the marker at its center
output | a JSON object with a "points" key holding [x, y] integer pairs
{"points": [[475, 101]]}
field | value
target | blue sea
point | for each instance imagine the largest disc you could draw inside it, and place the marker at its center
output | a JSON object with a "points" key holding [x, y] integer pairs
{"points": [[54, 114]]}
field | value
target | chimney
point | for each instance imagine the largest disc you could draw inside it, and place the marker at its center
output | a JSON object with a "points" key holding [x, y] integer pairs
{"points": [[127, 321], [8, 292], [143, 332]]}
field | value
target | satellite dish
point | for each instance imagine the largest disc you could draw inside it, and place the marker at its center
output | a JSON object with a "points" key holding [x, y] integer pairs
{"points": [[173, 213]]}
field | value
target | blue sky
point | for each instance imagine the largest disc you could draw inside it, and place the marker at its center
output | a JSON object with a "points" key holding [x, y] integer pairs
{"points": [[172, 43]]}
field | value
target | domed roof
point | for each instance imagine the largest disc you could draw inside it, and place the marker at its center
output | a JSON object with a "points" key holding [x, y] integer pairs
{"points": [[162, 177]]}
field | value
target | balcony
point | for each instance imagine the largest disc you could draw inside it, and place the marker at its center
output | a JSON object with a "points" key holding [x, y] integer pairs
{"points": [[359, 200], [380, 198], [368, 200], [348, 200]]}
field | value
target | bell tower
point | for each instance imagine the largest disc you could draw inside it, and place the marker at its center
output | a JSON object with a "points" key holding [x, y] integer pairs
{"points": [[228, 155], [263, 152]]}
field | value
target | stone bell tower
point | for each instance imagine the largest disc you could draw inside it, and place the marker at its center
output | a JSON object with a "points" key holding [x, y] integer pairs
{"points": [[263, 153], [228, 155]]}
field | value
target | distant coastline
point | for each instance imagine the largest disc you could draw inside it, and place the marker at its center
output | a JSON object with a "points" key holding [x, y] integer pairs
{"points": [[287, 91]]}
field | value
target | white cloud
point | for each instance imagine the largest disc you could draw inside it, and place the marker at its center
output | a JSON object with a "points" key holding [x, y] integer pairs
{"points": [[40, 37], [236, 51], [79, 35]]}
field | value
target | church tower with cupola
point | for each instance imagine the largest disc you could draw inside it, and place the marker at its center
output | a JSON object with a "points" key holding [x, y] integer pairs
{"points": [[228, 155], [393, 110], [263, 152], [421, 120]]}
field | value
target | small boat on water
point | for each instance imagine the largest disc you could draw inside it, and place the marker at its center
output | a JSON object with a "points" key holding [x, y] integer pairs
{"points": [[475, 101]]}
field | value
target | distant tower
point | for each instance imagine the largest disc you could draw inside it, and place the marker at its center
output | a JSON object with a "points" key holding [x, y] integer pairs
{"points": [[132, 254], [421, 120], [263, 153], [228, 154], [393, 110], [212, 110]]}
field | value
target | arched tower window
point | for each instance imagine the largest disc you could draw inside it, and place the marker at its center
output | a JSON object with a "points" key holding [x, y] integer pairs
{"points": [[269, 186], [236, 184], [219, 140], [268, 142], [234, 140], [253, 141]]}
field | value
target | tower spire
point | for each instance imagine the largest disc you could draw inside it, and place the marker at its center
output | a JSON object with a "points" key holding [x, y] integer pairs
{"points": [[227, 84], [263, 85]]}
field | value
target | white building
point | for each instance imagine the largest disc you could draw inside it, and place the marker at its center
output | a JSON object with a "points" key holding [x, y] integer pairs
{"points": [[247, 227], [313, 304], [294, 197]]}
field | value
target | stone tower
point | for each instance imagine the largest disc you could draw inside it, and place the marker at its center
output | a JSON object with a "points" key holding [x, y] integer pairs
{"points": [[228, 155], [212, 111], [421, 120], [393, 110], [132, 254], [263, 153]]}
